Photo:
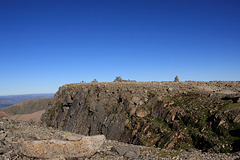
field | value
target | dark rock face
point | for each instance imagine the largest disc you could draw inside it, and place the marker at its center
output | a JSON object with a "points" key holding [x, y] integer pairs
{"points": [[161, 114]]}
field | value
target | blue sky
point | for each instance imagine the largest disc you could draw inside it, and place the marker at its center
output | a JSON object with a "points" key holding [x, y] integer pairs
{"points": [[45, 44]]}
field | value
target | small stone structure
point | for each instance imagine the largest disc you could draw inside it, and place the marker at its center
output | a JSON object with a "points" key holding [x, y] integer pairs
{"points": [[94, 81], [119, 79], [176, 79]]}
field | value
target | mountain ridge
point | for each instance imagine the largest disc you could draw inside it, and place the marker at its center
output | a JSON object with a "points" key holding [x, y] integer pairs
{"points": [[8, 100]]}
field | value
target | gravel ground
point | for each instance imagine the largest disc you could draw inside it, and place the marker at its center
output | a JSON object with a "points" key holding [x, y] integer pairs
{"points": [[12, 132]]}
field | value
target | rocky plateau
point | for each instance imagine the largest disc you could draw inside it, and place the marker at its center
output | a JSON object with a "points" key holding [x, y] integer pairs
{"points": [[170, 115], [126, 119]]}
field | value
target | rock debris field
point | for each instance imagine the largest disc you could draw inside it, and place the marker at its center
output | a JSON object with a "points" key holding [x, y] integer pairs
{"points": [[17, 138]]}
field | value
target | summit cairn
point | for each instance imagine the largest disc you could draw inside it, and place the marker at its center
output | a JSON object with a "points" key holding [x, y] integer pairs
{"points": [[118, 79], [176, 79], [94, 81]]}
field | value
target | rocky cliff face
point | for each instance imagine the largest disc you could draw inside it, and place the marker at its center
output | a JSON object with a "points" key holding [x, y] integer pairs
{"points": [[170, 115]]}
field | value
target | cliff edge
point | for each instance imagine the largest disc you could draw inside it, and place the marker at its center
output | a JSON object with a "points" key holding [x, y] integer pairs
{"points": [[171, 115]]}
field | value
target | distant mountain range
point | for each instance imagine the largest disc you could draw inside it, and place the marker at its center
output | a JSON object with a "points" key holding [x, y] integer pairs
{"points": [[9, 100]]}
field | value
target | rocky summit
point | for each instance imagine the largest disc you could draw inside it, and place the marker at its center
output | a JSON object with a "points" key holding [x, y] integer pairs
{"points": [[126, 119], [167, 115]]}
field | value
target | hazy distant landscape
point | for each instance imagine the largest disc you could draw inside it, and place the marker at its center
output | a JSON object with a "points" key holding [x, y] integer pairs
{"points": [[9, 100]]}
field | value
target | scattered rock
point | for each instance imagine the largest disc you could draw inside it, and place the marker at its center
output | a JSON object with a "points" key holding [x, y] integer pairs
{"points": [[73, 138], [3, 114], [136, 100], [127, 151], [142, 112], [20, 144]]}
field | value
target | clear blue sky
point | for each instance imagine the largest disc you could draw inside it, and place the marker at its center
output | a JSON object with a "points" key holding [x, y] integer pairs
{"points": [[48, 43]]}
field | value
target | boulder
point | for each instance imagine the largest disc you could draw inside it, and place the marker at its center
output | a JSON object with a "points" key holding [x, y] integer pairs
{"points": [[142, 112], [136, 100], [85, 147], [128, 151]]}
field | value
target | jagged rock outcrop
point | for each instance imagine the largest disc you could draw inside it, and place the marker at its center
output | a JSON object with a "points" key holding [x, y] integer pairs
{"points": [[161, 114]]}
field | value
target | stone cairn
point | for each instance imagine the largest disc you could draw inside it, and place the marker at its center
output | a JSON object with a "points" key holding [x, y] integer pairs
{"points": [[94, 81], [176, 79], [119, 79]]}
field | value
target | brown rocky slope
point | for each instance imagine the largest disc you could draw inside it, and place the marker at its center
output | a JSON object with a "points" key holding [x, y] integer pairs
{"points": [[27, 110], [170, 115], [28, 106]]}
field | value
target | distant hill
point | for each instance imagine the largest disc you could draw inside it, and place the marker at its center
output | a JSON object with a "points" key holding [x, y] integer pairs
{"points": [[28, 106], [6, 101]]}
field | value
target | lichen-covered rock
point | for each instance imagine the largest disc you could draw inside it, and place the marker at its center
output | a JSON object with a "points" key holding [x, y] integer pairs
{"points": [[142, 112], [85, 147]]}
